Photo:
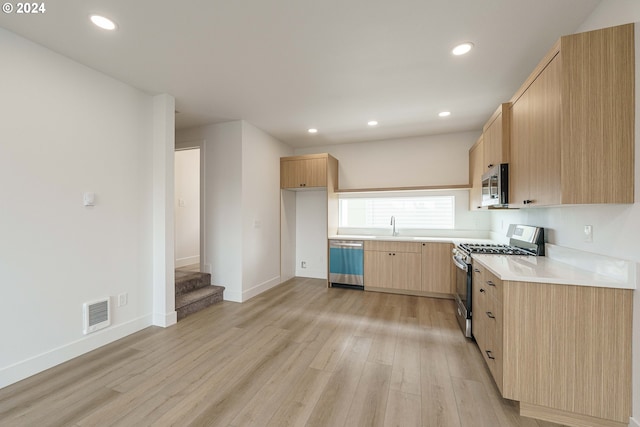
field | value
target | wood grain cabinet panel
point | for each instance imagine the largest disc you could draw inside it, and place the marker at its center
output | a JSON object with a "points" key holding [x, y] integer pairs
{"points": [[377, 269], [308, 171], [476, 168], [562, 351], [437, 268], [535, 165], [571, 348], [392, 265], [572, 123], [406, 271], [487, 324], [496, 134]]}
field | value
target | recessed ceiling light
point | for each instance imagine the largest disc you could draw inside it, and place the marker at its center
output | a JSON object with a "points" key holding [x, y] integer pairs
{"points": [[444, 113], [102, 22], [463, 48], [372, 123], [313, 130]]}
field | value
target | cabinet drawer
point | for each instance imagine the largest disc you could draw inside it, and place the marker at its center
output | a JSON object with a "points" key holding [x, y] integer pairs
{"points": [[493, 285], [478, 273], [491, 346], [383, 246], [487, 281]]}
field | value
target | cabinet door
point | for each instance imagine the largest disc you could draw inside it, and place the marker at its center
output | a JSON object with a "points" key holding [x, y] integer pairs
{"points": [[436, 268], [378, 269], [497, 135], [406, 271], [534, 172], [478, 301], [544, 174], [314, 172], [520, 150], [303, 173], [289, 174], [476, 162], [492, 137]]}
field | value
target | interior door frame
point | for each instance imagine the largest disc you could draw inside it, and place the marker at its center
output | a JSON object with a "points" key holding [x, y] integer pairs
{"points": [[191, 145]]}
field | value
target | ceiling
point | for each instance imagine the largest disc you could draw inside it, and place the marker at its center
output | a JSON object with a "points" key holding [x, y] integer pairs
{"points": [[289, 65]]}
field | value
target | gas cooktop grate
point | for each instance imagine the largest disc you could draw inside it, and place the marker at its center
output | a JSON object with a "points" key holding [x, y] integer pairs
{"points": [[493, 249]]}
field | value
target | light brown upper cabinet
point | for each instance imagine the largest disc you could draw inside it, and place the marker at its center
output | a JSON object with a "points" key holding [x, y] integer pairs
{"points": [[495, 135], [476, 168], [572, 123], [308, 171]]}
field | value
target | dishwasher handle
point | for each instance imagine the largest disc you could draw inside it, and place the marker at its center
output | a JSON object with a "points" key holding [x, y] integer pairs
{"points": [[347, 244]]}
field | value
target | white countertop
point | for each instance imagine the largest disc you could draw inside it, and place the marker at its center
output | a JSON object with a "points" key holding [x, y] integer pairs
{"points": [[419, 239], [562, 265], [547, 270]]}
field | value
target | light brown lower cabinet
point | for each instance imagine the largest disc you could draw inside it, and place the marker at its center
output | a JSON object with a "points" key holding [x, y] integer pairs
{"points": [[562, 351], [392, 265], [487, 324], [423, 269], [437, 268]]}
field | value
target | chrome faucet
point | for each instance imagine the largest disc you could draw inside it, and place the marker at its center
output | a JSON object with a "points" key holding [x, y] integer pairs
{"points": [[394, 232]]}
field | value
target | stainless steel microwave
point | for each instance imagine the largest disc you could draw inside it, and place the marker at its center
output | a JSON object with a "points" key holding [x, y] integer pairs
{"points": [[495, 186]]}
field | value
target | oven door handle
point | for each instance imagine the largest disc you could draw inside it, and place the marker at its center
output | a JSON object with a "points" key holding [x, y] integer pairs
{"points": [[460, 265]]}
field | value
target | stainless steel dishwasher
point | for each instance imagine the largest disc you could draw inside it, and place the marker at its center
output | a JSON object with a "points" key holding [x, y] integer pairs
{"points": [[346, 263]]}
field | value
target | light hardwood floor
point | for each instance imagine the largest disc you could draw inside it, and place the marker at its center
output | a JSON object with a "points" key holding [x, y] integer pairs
{"points": [[298, 355]]}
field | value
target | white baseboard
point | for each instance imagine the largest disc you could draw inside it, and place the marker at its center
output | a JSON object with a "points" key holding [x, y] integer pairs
{"points": [[183, 262], [260, 288], [165, 319], [233, 296], [633, 422], [311, 273], [26, 368]]}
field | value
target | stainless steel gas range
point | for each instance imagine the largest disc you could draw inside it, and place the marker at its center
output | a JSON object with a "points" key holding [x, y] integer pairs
{"points": [[524, 240]]}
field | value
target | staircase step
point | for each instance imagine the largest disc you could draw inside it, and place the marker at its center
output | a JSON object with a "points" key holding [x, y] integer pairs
{"points": [[187, 281], [197, 299]]}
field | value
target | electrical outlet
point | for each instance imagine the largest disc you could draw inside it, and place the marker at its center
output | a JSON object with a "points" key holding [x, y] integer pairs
{"points": [[123, 299], [588, 233], [303, 264]]}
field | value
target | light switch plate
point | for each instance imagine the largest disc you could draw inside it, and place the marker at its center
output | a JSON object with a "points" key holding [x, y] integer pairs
{"points": [[89, 198], [123, 299]]}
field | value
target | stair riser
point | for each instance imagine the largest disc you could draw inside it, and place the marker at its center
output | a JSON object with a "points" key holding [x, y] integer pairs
{"points": [[184, 286], [199, 305]]}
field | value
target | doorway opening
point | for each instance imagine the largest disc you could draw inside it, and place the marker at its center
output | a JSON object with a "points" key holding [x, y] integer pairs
{"points": [[187, 209]]}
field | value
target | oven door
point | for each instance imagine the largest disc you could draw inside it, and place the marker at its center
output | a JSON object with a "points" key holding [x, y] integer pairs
{"points": [[463, 295]]}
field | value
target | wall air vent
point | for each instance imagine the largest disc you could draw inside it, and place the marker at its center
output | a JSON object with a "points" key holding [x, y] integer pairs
{"points": [[96, 315]]}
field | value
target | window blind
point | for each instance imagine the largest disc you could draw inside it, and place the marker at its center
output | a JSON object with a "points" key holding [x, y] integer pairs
{"points": [[428, 212]]}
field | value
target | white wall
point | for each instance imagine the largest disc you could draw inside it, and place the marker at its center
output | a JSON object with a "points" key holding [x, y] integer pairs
{"points": [[261, 209], [164, 313], [311, 234], [288, 228], [187, 207], [67, 129], [242, 206], [418, 161], [615, 227], [223, 202]]}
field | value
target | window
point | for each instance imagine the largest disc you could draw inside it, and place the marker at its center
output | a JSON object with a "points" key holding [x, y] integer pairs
{"points": [[421, 212]]}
